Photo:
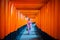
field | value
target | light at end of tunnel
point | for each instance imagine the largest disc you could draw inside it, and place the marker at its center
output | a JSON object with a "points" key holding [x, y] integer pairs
{"points": [[22, 16], [26, 18]]}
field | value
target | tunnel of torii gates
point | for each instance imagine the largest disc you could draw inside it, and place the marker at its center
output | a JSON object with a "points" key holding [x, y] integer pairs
{"points": [[45, 13]]}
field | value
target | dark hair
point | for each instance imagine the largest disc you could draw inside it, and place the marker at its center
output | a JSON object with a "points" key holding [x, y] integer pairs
{"points": [[28, 19]]}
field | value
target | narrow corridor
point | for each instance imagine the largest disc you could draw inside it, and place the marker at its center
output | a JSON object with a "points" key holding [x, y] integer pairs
{"points": [[15, 15]]}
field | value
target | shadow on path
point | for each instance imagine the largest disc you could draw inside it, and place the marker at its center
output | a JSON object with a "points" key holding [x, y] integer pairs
{"points": [[35, 34]]}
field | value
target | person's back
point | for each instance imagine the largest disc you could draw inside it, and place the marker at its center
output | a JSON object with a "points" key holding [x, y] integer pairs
{"points": [[29, 25]]}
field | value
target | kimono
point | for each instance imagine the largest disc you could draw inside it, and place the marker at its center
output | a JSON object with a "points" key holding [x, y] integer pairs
{"points": [[29, 26]]}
